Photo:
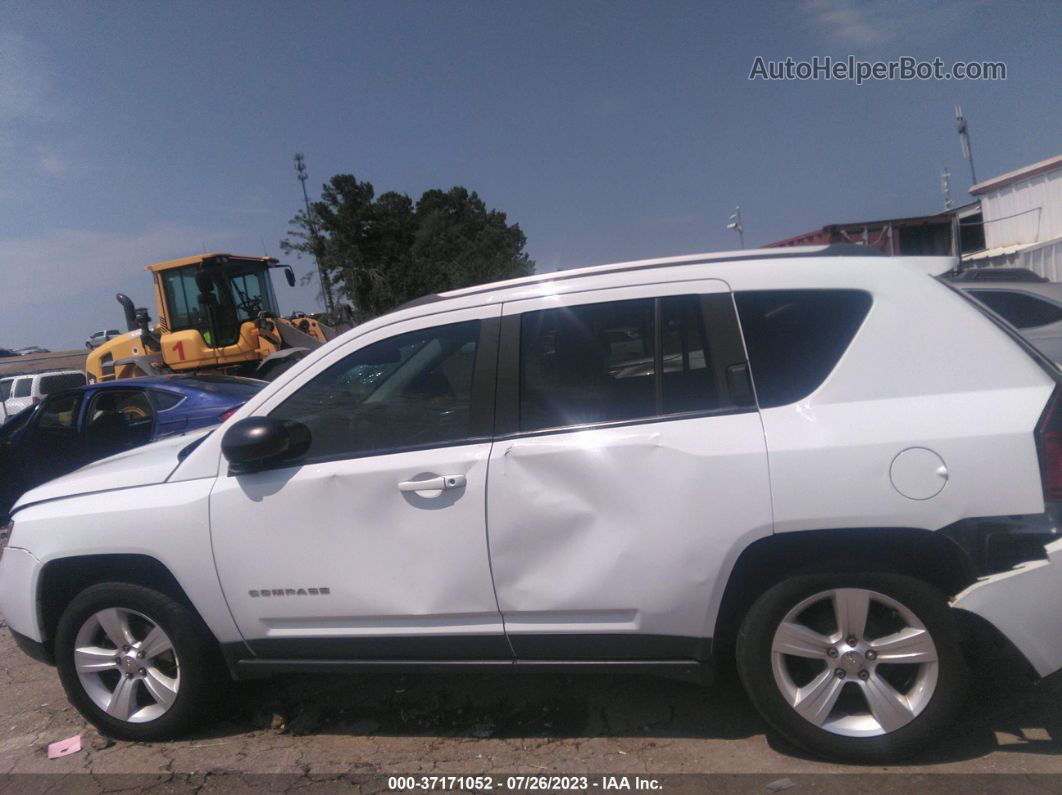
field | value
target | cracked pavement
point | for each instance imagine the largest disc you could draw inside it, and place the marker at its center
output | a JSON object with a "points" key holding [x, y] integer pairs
{"points": [[322, 730]]}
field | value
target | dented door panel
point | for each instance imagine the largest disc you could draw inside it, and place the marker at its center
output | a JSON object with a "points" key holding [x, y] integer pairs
{"points": [[622, 530]]}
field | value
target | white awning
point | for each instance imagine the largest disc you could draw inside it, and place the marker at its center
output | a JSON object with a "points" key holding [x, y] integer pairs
{"points": [[999, 251]]}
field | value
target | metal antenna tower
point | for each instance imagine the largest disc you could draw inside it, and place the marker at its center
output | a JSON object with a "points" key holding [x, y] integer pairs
{"points": [[964, 141], [736, 225], [315, 238]]}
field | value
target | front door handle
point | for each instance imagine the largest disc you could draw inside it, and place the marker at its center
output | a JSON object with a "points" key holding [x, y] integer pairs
{"points": [[433, 484]]}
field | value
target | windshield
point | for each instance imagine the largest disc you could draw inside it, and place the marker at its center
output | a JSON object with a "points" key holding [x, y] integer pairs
{"points": [[237, 292]]}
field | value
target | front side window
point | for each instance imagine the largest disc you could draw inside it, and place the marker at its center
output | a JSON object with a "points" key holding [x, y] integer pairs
{"points": [[22, 387], [796, 337], [59, 413], [410, 391], [1020, 310], [5, 390]]}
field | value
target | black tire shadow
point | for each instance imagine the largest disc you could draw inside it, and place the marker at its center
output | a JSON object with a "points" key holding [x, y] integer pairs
{"points": [[477, 704]]}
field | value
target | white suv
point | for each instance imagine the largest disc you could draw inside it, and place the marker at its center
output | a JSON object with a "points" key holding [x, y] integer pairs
{"points": [[803, 458], [22, 391]]}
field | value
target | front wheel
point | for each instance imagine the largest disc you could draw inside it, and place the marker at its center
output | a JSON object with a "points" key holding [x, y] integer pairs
{"points": [[135, 662], [864, 667]]}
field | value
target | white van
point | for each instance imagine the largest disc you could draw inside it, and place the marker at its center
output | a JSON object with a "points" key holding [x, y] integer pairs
{"points": [[5, 393], [20, 391]]}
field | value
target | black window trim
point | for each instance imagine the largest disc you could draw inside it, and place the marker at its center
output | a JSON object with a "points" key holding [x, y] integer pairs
{"points": [[727, 344]]}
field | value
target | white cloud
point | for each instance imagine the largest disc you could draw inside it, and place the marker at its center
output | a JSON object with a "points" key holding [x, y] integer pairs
{"points": [[851, 21], [866, 24], [51, 163]]}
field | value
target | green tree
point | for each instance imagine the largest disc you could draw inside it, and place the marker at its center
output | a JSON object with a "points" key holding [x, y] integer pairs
{"points": [[379, 252]]}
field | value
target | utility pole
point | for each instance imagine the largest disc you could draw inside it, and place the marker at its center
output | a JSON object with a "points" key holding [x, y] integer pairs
{"points": [[315, 238], [735, 224], [964, 141]]}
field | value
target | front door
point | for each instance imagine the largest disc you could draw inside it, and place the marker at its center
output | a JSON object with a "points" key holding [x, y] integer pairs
{"points": [[628, 470], [377, 533]]}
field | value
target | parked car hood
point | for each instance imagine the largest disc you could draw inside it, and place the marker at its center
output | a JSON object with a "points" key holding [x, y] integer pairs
{"points": [[143, 466]]}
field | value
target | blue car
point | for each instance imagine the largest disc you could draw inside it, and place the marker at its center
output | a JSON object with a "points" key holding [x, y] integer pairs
{"points": [[69, 429]]}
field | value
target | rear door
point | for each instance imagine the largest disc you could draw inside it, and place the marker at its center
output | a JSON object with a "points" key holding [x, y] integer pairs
{"points": [[117, 420], [628, 470]]}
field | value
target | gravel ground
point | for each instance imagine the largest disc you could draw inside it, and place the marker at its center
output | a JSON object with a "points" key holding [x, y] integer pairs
{"points": [[321, 732]]}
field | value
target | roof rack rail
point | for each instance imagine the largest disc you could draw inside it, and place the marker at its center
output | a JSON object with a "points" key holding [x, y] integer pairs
{"points": [[786, 252]]}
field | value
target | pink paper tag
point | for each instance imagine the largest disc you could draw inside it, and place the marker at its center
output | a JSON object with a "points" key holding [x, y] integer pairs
{"points": [[71, 745]]}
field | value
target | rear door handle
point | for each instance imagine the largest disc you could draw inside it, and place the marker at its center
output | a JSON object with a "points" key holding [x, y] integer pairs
{"points": [[433, 484]]}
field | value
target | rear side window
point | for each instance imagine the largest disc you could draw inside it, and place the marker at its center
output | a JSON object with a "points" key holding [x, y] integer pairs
{"points": [[22, 387], [1019, 309], [585, 364], [5, 390], [50, 384], [613, 362], [796, 337], [164, 400]]}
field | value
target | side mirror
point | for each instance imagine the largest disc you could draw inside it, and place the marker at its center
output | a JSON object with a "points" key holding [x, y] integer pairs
{"points": [[256, 440], [289, 274]]}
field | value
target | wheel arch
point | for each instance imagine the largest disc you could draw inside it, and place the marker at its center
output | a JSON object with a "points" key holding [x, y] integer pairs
{"points": [[62, 579], [924, 554]]}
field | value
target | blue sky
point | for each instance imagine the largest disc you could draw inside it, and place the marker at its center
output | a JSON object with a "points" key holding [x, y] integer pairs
{"points": [[135, 132]]}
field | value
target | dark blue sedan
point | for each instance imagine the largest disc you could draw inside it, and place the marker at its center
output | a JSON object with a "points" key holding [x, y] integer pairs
{"points": [[69, 429]]}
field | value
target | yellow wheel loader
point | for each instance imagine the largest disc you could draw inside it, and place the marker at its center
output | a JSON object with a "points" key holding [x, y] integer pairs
{"points": [[216, 313]]}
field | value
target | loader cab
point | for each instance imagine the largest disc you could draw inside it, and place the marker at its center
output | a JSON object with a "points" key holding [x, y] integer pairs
{"points": [[215, 295]]}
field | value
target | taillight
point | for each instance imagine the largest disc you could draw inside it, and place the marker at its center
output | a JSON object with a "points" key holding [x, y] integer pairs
{"points": [[228, 413], [1049, 433]]}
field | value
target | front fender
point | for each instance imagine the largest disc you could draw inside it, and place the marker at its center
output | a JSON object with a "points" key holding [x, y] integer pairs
{"points": [[169, 522]]}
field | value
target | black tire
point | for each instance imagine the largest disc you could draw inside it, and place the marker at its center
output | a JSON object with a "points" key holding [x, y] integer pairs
{"points": [[754, 661], [193, 644]]}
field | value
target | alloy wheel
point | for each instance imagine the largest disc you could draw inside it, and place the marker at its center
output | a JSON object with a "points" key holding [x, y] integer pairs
{"points": [[854, 662], [127, 665]]}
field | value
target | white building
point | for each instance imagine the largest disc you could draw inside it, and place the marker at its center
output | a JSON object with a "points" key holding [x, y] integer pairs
{"points": [[1022, 213]]}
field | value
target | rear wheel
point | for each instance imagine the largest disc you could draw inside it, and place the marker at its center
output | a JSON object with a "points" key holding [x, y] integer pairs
{"points": [[862, 667], [135, 662]]}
